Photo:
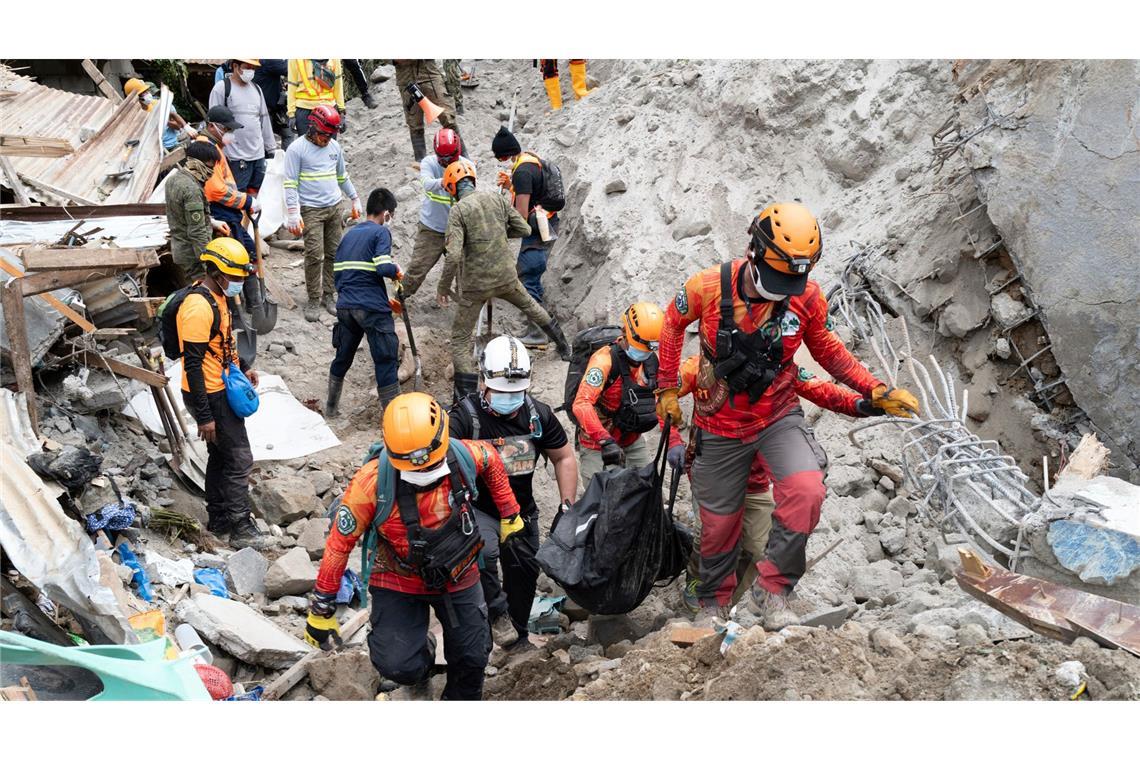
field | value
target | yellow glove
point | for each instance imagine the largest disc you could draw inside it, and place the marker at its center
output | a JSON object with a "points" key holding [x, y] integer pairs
{"points": [[894, 401], [322, 632], [668, 407], [509, 527]]}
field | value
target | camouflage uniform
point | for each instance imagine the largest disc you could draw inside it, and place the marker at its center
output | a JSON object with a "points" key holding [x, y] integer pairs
{"points": [[188, 216], [482, 263], [427, 75], [452, 76]]}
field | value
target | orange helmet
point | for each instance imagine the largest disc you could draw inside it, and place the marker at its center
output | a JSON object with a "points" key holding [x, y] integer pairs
{"points": [[415, 432], [786, 244], [641, 325], [456, 171]]}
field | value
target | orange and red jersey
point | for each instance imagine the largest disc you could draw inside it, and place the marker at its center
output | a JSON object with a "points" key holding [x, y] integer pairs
{"points": [[360, 499], [598, 390], [805, 321], [221, 187]]}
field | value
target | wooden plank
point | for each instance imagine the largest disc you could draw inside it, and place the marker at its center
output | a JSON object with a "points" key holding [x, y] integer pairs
{"points": [[14, 180], [686, 637], [171, 159], [95, 359], [14, 324], [34, 146], [101, 81], [41, 282], [54, 302], [294, 675], [78, 213], [45, 259], [44, 186]]}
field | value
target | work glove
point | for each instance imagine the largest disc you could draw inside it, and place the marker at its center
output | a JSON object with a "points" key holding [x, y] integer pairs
{"points": [[612, 453], [322, 627], [509, 527], [399, 274], [503, 180], [254, 205], [676, 456], [269, 152], [189, 131], [293, 221], [894, 401], [293, 124], [864, 408], [357, 209], [396, 307], [220, 227], [668, 407]]}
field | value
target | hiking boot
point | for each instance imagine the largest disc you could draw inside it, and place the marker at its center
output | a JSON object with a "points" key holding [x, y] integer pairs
{"points": [[218, 526], [689, 596], [524, 644], [772, 609], [503, 631], [328, 303], [245, 533], [706, 613], [313, 311], [419, 145], [369, 101], [332, 401], [534, 337]]}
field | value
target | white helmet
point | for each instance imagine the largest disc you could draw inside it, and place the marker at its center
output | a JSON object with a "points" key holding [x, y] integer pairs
{"points": [[505, 365]]}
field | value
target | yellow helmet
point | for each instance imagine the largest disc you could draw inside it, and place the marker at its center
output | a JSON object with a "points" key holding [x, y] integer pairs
{"points": [[134, 87], [229, 256], [641, 325], [248, 61], [415, 432]]}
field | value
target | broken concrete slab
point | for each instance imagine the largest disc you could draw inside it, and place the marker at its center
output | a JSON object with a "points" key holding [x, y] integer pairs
{"points": [[828, 618], [237, 629], [284, 499], [291, 573], [874, 581], [314, 535], [245, 571], [345, 675]]}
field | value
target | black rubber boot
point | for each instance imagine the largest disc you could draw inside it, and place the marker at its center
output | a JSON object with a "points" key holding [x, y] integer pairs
{"points": [[535, 336], [465, 383], [332, 401], [387, 393], [244, 533], [419, 145], [555, 333]]}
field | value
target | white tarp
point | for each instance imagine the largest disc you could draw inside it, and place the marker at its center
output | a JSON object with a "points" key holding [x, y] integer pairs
{"points": [[281, 428], [126, 231]]}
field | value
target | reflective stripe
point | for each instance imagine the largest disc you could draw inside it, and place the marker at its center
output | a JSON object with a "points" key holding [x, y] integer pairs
{"points": [[383, 259], [342, 178], [290, 183], [364, 266], [317, 175], [446, 199]]}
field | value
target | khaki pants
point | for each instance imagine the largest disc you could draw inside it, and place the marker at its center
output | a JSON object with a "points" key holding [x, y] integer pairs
{"points": [[590, 460], [427, 75], [467, 314], [323, 229], [427, 249], [753, 541]]}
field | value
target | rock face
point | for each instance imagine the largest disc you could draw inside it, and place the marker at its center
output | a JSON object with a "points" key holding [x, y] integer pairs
{"points": [[239, 630], [285, 499], [1068, 179], [292, 573]]}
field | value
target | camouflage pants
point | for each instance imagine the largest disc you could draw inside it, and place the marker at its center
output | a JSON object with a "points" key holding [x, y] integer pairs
{"points": [[427, 249], [323, 230], [467, 314], [452, 76], [427, 75]]}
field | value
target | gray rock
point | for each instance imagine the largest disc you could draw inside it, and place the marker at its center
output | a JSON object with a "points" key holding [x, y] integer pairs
{"points": [[828, 618], [619, 650], [973, 635], [942, 633], [610, 629], [615, 186], [886, 484], [345, 675], [277, 350], [950, 617], [313, 537], [284, 499], [292, 573], [239, 630], [297, 603], [886, 641], [245, 572], [1007, 311], [208, 560], [382, 73], [871, 547], [624, 117], [581, 653], [322, 481], [900, 507], [922, 577], [296, 527], [566, 139], [691, 228], [874, 501], [874, 581], [871, 521], [845, 480], [1002, 349], [942, 558], [893, 540]]}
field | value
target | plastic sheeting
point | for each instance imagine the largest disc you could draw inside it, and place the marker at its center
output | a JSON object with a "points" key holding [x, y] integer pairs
{"points": [[126, 231], [282, 428]]}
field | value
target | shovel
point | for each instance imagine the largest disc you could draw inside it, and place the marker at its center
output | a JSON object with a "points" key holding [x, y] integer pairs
{"points": [[263, 315], [418, 383], [244, 333]]}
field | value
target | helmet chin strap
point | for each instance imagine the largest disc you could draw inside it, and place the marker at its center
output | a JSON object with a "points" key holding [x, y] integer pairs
{"points": [[754, 268]]}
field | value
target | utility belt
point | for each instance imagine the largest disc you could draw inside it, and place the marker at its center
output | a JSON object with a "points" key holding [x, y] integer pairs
{"points": [[637, 411]]}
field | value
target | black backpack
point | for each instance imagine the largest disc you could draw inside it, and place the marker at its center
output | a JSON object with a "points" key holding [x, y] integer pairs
{"points": [[582, 348], [168, 318], [553, 194]]}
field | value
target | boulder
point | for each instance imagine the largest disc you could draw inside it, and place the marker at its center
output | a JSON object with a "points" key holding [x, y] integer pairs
{"points": [[312, 538], [239, 630], [292, 573], [874, 581], [245, 571], [282, 500]]}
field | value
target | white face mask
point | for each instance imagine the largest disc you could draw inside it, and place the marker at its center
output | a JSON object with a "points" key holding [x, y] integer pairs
{"points": [[247, 75], [425, 477], [227, 138], [755, 270]]}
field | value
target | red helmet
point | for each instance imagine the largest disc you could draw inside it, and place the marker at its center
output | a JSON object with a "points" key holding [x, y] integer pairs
{"points": [[325, 119], [447, 146]]}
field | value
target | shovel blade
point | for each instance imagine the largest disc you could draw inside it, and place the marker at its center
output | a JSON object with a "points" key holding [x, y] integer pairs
{"points": [[264, 317]]}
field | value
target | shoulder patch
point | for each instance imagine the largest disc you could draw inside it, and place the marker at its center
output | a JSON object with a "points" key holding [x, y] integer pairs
{"points": [[196, 217], [790, 324], [682, 301], [805, 374], [829, 324], [345, 521], [594, 377]]}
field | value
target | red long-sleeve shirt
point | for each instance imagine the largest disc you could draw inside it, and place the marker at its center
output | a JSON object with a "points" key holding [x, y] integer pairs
{"points": [[804, 322], [360, 500], [596, 390]]}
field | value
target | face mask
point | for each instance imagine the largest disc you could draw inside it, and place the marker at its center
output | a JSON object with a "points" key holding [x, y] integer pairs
{"points": [[227, 138], [755, 270], [234, 288], [637, 355], [502, 402], [421, 478], [247, 75], [147, 99]]}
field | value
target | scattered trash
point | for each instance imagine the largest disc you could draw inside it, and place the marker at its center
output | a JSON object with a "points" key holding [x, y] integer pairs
{"points": [[140, 577], [188, 639], [150, 626], [72, 466], [686, 636], [217, 683], [350, 586], [545, 614], [731, 631], [213, 579], [1071, 673], [114, 517], [169, 572]]}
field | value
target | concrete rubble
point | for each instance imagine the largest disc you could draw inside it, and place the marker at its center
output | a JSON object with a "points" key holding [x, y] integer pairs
{"points": [[245, 571], [291, 573], [241, 631]]}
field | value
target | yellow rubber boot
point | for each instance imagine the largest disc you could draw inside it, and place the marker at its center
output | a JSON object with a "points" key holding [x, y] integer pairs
{"points": [[554, 92], [578, 79]]}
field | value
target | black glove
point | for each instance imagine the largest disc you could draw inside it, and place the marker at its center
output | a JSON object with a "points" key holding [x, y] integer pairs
{"points": [[611, 453], [293, 124], [343, 121], [864, 408]]}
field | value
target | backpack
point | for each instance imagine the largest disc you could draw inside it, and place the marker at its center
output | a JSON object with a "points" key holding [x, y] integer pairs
{"points": [[553, 194], [228, 87], [583, 346], [168, 318]]}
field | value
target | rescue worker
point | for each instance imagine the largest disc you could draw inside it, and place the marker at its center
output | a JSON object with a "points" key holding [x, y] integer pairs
{"points": [[482, 266], [191, 226], [315, 176], [614, 403], [452, 80], [176, 129], [227, 201], [254, 143], [521, 428], [312, 82], [527, 186], [363, 261], [549, 69], [412, 504], [758, 502], [426, 75], [269, 77], [429, 243], [205, 335], [356, 71], [754, 313]]}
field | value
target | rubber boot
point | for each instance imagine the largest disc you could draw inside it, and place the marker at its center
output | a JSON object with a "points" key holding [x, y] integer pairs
{"points": [[332, 400], [419, 144], [369, 101], [534, 336], [387, 393], [554, 92], [465, 383], [578, 79], [555, 333]]}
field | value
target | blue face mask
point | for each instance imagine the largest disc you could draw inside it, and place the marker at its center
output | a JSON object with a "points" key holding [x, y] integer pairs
{"points": [[637, 355], [505, 403], [233, 289]]}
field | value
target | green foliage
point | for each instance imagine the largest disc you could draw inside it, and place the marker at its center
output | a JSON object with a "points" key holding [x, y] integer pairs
{"points": [[172, 72]]}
